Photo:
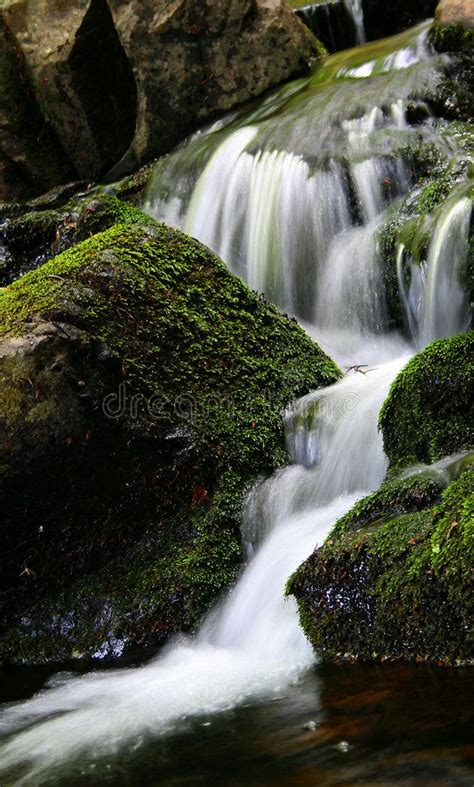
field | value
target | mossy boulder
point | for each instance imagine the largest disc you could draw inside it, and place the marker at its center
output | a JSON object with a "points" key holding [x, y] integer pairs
{"points": [[453, 29], [142, 388], [394, 579], [41, 231], [429, 412]]}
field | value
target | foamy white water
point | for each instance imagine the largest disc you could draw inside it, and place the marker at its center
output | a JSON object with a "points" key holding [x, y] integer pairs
{"points": [[357, 13], [251, 647]]}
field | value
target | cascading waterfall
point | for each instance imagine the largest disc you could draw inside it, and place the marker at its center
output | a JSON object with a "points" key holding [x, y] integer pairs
{"points": [[436, 302], [338, 24], [357, 13], [291, 195]]}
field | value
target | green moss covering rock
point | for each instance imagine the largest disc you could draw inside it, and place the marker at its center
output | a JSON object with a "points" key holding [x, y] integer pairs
{"points": [[46, 229], [453, 28], [453, 38], [142, 387], [429, 412], [394, 580]]}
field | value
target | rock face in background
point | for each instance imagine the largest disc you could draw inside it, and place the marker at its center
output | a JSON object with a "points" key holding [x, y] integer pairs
{"points": [[31, 157], [456, 12], [82, 78], [453, 29], [142, 387], [384, 19], [125, 79], [212, 56]]}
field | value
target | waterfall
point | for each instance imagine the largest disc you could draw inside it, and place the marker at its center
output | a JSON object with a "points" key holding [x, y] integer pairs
{"points": [[251, 645], [357, 13], [291, 194], [339, 24], [446, 308], [433, 292]]}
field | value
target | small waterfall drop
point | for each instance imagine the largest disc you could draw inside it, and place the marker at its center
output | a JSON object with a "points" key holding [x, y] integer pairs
{"points": [[446, 306], [433, 291], [339, 24], [357, 13]]}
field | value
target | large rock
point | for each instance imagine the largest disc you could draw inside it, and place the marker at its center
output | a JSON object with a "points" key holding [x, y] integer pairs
{"points": [[125, 80], [430, 410], [82, 78], [453, 29], [31, 158], [141, 391], [394, 579], [193, 60], [456, 12]]}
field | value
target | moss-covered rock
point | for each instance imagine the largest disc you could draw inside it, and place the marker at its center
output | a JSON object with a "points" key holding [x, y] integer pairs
{"points": [[429, 412], [142, 387], [394, 580], [453, 29], [41, 232], [451, 38]]}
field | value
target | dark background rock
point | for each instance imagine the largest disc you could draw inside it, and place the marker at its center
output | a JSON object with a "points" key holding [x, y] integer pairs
{"points": [[31, 157], [385, 19], [331, 23], [121, 82]]}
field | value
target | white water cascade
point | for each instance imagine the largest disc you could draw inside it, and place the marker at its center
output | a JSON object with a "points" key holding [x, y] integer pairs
{"points": [[357, 13], [250, 646], [291, 195], [436, 302]]}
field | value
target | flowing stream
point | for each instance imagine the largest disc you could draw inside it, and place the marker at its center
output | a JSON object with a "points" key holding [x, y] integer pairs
{"points": [[337, 23], [291, 194]]}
